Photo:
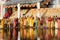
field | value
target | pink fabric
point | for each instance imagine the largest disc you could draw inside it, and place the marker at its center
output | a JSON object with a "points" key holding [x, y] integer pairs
{"points": [[6, 15], [46, 37], [14, 31]]}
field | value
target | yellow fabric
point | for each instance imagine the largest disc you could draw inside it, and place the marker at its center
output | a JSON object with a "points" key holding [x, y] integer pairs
{"points": [[21, 21], [28, 19], [2, 23], [31, 22], [30, 33], [49, 25], [21, 32], [52, 25]]}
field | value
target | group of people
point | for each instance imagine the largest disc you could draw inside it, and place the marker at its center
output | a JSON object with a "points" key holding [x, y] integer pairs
{"points": [[30, 28], [45, 28]]}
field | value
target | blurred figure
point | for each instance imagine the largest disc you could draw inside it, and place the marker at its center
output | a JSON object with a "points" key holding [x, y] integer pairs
{"points": [[11, 30], [25, 23], [6, 29], [15, 30], [31, 28], [38, 28], [58, 30], [56, 26], [28, 19], [21, 29], [2, 31], [49, 28], [44, 27]]}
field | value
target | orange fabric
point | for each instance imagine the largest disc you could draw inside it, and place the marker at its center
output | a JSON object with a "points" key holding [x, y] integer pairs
{"points": [[58, 34], [21, 22], [25, 33], [25, 21]]}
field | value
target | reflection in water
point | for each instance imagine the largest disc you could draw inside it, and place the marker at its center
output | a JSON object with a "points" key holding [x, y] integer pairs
{"points": [[8, 36], [43, 30]]}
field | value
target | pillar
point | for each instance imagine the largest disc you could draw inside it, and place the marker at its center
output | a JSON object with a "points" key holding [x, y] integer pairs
{"points": [[38, 14], [18, 6], [2, 11], [38, 7]]}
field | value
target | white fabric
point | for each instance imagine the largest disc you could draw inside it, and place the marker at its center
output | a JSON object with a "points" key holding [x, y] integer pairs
{"points": [[56, 26], [38, 38], [18, 35], [38, 14]]}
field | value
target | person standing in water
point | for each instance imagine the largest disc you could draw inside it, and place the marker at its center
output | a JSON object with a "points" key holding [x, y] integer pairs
{"points": [[15, 30], [21, 29], [25, 32]]}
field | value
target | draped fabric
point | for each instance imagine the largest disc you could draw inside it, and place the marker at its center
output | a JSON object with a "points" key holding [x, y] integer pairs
{"points": [[58, 34], [15, 31], [8, 12], [56, 26]]}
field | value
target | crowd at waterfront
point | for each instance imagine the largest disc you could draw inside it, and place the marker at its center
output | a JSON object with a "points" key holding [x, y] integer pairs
{"points": [[30, 28]]}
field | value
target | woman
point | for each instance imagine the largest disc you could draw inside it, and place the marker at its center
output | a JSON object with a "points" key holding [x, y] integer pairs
{"points": [[31, 30], [15, 30], [21, 28], [25, 32]]}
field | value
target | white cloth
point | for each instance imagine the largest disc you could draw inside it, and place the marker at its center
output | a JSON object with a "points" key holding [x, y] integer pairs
{"points": [[38, 38], [56, 26], [18, 35]]}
